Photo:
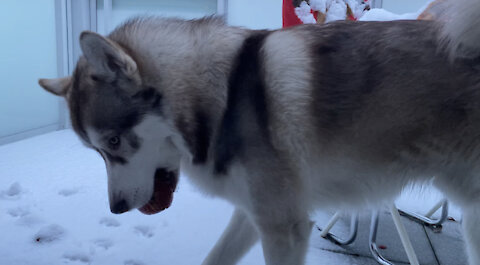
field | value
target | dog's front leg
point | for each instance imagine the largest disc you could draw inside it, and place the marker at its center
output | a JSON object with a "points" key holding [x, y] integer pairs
{"points": [[285, 244], [235, 241]]}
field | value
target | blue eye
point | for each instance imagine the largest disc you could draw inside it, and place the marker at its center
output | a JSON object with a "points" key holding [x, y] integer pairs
{"points": [[114, 142]]}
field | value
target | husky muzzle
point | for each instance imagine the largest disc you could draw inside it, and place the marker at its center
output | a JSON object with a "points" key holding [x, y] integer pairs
{"points": [[165, 183]]}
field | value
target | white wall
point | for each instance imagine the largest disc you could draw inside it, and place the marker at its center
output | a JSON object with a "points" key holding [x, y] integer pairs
{"points": [[27, 52], [124, 9], [255, 14], [404, 6]]}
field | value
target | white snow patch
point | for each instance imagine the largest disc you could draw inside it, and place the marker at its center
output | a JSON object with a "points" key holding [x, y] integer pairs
{"points": [[377, 14]]}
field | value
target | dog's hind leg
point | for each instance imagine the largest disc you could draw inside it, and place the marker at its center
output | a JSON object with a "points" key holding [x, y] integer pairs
{"points": [[285, 244], [235, 241]]}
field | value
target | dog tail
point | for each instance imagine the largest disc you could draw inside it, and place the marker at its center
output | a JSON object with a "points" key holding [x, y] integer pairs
{"points": [[461, 34]]}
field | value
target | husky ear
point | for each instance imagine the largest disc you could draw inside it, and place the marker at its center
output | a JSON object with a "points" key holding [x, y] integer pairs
{"points": [[106, 57], [57, 86]]}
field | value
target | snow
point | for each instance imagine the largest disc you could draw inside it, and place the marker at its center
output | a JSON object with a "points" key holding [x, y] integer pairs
{"points": [[378, 14], [54, 206]]}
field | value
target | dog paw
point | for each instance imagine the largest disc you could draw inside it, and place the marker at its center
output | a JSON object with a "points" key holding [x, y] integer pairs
{"points": [[68, 192], [133, 262], [109, 222], [143, 230], [103, 243], [49, 234], [77, 257]]}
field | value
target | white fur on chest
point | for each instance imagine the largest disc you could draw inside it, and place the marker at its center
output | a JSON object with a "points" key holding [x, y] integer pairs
{"points": [[232, 187]]}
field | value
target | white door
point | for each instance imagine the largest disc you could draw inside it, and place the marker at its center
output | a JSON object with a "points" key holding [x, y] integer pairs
{"points": [[27, 52]]}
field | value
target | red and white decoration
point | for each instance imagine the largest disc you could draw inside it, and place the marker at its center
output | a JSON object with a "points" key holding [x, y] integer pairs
{"points": [[331, 10]]}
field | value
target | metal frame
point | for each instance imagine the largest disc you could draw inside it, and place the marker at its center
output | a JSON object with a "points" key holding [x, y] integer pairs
{"points": [[402, 232], [6, 139], [412, 257], [377, 3], [93, 15], [75, 16], [72, 17], [435, 224], [107, 15], [62, 54], [222, 8], [372, 241], [337, 240]]}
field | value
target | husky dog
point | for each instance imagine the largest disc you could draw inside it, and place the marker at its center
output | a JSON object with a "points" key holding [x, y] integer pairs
{"points": [[278, 124]]}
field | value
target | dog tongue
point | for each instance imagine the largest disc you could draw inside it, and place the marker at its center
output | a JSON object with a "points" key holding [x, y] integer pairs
{"points": [[162, 197]]}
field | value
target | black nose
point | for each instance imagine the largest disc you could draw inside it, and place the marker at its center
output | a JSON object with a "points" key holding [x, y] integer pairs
{"points": [[119, 207]]}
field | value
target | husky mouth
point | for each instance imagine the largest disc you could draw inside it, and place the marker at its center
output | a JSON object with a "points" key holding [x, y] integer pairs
{"points": [[162, 197]]}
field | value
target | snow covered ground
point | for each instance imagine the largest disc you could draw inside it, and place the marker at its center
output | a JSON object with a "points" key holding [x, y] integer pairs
{"points": [[54, 210]]}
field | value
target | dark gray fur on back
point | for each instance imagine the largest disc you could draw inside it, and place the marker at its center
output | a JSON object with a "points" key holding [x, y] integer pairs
{"points": [[388, 87]]}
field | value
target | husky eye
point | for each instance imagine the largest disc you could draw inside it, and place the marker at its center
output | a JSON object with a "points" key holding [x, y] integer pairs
{"points": [[114, 142]]}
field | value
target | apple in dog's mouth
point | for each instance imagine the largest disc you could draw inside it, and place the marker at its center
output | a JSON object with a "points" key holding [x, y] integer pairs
{"points": [[162, 197]]}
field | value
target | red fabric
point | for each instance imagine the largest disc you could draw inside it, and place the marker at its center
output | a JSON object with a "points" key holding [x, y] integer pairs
{"points": [[289, 16]]}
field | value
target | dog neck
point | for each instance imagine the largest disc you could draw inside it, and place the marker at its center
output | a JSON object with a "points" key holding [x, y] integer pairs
{"points": [[185, 61]]}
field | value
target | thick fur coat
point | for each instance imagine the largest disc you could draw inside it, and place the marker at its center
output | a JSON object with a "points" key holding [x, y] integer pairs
{"points": [[283, 122]]}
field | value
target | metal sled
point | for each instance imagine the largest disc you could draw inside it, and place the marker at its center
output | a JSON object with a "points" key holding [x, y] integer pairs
{"points": [[426, 219]]}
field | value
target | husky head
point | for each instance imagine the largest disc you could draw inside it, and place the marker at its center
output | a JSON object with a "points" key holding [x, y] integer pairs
{"points": [[125, 121]]}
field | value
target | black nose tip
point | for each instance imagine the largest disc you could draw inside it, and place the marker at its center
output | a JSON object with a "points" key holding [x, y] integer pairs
{"points": [[119, 207]]}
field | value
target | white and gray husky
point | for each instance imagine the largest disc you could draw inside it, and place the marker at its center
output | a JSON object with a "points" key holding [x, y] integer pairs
{"points": [[282, 122]]}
